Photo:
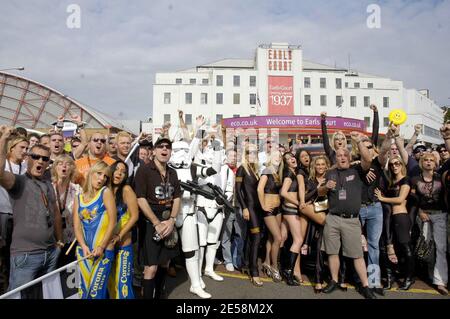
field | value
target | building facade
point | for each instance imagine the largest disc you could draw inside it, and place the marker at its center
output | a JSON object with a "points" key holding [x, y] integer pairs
{"points": [[278, 82]]}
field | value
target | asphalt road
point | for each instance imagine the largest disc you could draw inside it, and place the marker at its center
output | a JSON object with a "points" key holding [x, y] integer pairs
{"points": [[237, 286]]}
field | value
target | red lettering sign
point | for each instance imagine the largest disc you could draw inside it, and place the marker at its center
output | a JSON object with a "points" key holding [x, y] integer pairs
{"points": [[281, 99]]}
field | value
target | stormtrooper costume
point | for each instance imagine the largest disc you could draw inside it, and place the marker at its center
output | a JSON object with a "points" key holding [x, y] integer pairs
{"points": [[186, 223], [210, 215]]}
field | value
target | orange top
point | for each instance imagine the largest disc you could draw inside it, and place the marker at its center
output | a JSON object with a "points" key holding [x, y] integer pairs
{"points": [[85, 163]]}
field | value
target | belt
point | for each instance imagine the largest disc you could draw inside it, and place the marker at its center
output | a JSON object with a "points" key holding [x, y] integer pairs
{"points": [[346, 215], [368, 204], [434, 212]]}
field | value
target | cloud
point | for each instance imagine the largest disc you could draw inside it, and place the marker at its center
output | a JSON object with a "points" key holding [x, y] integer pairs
{"points": [[110, 63]]}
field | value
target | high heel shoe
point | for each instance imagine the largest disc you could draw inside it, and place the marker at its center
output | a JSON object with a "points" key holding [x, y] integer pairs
{"points": [[343, 286], [267, 270], [407, 284], [256, 281], [318, 288], [389, 282]]}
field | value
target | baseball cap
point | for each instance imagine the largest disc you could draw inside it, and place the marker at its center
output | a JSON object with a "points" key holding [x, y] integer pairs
{"points": [[161, 140], [419, 147]]}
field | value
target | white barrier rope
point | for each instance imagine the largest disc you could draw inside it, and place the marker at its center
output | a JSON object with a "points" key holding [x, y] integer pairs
{"points": [[35, 281]]}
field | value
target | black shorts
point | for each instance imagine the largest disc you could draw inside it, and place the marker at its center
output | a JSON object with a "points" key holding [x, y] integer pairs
{"points": [[155, 252], [287, 210], [276, 211]]}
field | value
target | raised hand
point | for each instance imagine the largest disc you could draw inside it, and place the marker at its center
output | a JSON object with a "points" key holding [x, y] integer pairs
{"points": [[373, 107], [418, 129]]}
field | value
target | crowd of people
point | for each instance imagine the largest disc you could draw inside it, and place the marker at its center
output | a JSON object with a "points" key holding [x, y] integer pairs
{"points": [[364, 212]]}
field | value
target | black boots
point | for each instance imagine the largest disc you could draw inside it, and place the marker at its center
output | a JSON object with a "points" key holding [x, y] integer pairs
{"points": [[289, 270], [407, 284]]}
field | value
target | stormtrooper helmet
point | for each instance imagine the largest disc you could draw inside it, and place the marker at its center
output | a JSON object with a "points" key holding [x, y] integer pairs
{"points": [[180, 155]]}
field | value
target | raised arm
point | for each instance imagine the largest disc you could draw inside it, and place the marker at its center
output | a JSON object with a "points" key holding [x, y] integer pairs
{"points": [[326, 141], [375, 124], [83, 137], [366, 158], [445, 133], [7, 179], [412, 141]]}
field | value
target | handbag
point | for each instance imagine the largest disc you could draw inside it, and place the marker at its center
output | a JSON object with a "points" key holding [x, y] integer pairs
{"points": [[171, 240], [320, 205], [425, 250]]}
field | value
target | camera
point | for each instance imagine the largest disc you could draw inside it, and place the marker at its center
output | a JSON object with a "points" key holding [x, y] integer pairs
{"points": [[156, 237]]}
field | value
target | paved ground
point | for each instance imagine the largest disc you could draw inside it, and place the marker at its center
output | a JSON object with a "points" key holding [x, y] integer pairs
{"points": [[237, 286]]}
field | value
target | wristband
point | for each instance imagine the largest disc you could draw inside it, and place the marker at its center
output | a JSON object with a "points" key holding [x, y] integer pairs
{"points": [[60, 243]]}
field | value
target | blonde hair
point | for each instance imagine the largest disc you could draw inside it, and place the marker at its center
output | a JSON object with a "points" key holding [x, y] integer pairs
{"points": [[334, 137], [427, 155], [15, 141], [123, 134], [59, 159], [97, 167], [253, 167], [389, 174], [312, 166]]}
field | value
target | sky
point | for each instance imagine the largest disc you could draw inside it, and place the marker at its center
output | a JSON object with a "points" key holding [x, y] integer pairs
{"points": [[109, 63]]}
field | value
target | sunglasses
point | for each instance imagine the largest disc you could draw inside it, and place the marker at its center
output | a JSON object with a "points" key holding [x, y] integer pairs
{"points": [[166, 146], [396, 164], [443, 151], [96, 140], [36, 157], [428, 159], [370, 147]]}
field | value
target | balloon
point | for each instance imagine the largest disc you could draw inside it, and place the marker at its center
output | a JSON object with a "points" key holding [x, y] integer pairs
{"points": [[397, 116]]}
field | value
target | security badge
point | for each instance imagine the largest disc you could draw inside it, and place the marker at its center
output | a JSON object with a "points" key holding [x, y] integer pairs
{"points": [[342, 194]]}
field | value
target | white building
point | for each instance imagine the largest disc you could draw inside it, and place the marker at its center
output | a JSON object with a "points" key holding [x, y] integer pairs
{"points": [[279, 82]]}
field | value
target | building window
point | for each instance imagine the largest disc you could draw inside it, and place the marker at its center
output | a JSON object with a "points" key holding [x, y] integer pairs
{"points": [[188, 98], [219, 98], [323, 83], [366, 101], [236, 80], [307, 83], [205, 81], [308, 100], [166, 98], [356, 85], [236, 98], [204, 98], [219, 118], [219, 80], [252, 80], [385, 121], [236, 115], [338, 100], [385, 101], [178, 81], [166, 118], [353, 101], [370, 85], [367, 120], [188, 119], [192, 81], [323, 100], [252, 99], [338, 83], [346, 84]]}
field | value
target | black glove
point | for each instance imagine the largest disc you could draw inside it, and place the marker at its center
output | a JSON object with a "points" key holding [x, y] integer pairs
{"points": [[216, 145], [200, 134]]}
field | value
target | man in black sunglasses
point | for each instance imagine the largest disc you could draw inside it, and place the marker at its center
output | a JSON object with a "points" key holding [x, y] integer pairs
{"points": [[96, 153], [37, 234]]}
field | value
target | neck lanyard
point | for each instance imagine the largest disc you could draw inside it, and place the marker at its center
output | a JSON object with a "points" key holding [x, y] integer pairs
{"points": [[62, 206], [340, 183]]}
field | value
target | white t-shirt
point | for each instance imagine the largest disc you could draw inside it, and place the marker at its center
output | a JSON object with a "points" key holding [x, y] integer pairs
{"points": [[5, 201]]}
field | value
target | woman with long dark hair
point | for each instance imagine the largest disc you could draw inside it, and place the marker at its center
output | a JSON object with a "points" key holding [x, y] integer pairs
{"points": [[290, 212], [94, 220], [396, 195], [121, 279]]}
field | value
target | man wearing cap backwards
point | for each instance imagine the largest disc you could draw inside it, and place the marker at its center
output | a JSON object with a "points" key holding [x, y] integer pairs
{"points": [[158, 192], [37, 234]]}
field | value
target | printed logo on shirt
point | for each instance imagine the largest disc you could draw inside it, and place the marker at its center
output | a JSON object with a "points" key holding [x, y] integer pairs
{"points": [[350, 178]]}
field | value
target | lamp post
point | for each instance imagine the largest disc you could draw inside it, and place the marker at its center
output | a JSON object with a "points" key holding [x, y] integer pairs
{"points": [[21, 68]]}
